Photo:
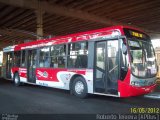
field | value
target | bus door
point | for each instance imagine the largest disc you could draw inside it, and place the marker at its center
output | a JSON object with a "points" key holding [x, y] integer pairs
{"points": [[31, 65], [9, 64], [106, 67]]}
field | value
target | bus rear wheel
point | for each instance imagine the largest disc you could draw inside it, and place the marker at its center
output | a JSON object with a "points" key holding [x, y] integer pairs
{"points": [[79, 87], [16, 79]]}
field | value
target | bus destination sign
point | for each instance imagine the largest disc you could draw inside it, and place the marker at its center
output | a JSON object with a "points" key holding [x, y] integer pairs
{"points": [[136, 34]]}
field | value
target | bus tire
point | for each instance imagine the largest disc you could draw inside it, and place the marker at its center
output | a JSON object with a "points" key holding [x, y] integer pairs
{"points": [[16, 79], [79, 87]]}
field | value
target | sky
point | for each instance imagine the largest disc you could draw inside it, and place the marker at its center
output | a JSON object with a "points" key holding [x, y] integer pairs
{"points": [[156, 43]]}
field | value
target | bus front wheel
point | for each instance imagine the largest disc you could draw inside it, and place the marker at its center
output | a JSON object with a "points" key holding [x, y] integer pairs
{"points": [[16, 79], [79, 87]]}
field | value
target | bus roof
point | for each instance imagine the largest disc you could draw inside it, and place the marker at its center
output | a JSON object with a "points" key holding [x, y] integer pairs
{"points": [[69, 38]]}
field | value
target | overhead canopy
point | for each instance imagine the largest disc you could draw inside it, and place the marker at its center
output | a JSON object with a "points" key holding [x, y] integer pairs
{"points": [[61, 17]]}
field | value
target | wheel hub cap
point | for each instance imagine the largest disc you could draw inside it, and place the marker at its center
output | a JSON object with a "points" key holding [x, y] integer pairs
{"points": [[79, 87], [16, 79]]}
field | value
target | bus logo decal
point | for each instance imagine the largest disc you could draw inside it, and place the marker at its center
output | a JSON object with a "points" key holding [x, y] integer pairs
{"points": [[42, 74], [45, 74]]}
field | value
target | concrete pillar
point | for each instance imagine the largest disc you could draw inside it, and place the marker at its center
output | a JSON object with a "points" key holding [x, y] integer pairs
{"points": [[39, 15]]}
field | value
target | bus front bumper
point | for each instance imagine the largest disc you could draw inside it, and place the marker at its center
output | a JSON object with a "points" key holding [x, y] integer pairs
{"points": [[127, 90]]}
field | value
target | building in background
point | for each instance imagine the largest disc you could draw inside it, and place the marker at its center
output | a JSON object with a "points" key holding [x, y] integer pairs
{"points": [[157, 51], [156, 45], [1, 57]]}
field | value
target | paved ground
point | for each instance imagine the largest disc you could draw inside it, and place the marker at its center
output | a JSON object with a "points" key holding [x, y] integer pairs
{"points": [[31, 99]]}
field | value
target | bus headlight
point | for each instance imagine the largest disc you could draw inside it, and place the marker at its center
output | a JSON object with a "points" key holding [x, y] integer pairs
{"points": [[135, 83]]}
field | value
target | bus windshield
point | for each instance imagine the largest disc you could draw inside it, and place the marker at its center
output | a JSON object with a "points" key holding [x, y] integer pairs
{"points": [[143, 63]]}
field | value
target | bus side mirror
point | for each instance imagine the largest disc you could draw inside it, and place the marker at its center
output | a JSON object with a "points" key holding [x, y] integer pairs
{"points": [[124, 49]]}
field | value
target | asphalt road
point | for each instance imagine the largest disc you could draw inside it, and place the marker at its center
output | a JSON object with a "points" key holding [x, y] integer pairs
{"points": [[29, 99]]}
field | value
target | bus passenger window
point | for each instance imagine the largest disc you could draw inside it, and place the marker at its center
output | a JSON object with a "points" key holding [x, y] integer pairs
{"points": [[44, 60], [77, 55], [17, 59], [58, 56], [23, 59]]}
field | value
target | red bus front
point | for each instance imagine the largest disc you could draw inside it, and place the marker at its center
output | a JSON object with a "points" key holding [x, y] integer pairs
{"points": [[141, 75]]}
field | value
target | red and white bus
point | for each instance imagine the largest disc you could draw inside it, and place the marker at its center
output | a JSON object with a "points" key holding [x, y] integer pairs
{"points": [[115, 61]]}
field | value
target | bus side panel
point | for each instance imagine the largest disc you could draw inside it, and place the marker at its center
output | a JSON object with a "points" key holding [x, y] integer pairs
{"points": [[47, 74], [123, 86], [13, 71], [57, 78], [23, 74], [89, 79], [60, 78]]}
